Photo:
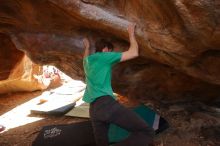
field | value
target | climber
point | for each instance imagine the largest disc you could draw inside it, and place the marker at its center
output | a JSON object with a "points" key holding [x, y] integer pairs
{"points": [[2, 128], [104, 109]]}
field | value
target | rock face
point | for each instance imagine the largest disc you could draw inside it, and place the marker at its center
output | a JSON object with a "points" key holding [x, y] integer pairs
{"points": [[179, 41], [17, 70], [9, 56]]}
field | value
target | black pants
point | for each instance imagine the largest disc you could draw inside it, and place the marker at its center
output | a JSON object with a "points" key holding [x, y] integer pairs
{"points": [[106, 110]]}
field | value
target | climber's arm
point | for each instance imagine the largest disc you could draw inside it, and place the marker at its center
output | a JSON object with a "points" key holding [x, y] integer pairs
{"points": [[86, 47], [133, 49]]}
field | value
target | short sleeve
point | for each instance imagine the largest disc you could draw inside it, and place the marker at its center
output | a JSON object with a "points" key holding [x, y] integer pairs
{"points": [[111, 57]]}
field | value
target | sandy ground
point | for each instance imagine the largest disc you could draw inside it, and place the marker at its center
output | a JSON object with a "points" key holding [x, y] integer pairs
{"points": [[23, 127], [188, 127]]}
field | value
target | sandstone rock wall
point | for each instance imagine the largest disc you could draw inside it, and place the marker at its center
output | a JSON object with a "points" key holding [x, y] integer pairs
{"points": [[179, 39], [17, 70]]}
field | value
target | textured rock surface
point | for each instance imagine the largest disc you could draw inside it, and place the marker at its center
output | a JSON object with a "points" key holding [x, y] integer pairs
{"points": [[179, 40], [16, 69], [9, 56]]}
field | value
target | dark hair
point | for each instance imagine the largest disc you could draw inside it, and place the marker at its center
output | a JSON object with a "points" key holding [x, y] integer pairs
{"points": [[101, 44]]}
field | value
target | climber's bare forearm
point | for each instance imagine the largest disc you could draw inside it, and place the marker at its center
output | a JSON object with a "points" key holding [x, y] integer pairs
{"points": [[86, 47], [133, 49]]}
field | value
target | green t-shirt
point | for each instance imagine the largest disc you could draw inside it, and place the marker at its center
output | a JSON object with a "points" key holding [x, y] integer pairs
{"points": [[98, 69]]}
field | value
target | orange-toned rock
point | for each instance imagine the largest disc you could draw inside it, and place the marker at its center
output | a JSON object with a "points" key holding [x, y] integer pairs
{"points": [[179, 41], [9, 56], [21, 77], [17, 70]]}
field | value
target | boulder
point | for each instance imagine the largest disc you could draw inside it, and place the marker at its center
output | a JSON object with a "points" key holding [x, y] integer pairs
{"points": [[179, 41], [17, 70]]}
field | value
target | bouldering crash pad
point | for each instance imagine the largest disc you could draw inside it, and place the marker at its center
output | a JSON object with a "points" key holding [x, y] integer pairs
{"points": [[76, 134]]}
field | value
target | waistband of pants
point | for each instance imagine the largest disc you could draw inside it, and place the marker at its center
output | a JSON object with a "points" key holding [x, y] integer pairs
{"points": [[101, 99]]}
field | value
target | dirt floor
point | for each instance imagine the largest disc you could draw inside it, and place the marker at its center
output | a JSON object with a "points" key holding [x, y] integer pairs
{"points": [[190, 126], [25, 134]]}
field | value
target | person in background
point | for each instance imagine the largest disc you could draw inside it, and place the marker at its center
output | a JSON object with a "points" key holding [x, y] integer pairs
{"points": [[2, 128]]}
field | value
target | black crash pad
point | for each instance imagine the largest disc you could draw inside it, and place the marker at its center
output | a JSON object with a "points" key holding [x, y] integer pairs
{"points": [[76, 134]]}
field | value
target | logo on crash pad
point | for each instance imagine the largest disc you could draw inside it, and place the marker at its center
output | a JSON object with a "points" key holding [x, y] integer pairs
{"points": [[50, 133]]}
